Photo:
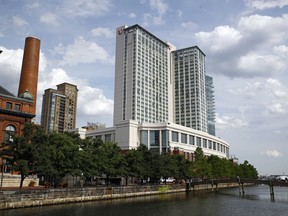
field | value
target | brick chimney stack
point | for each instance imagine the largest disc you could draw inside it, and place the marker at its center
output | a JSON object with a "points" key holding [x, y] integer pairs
{"points": [[29, 71]]}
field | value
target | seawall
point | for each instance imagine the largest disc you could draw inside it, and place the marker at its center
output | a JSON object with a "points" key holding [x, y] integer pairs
{"points": [[32, 197]]}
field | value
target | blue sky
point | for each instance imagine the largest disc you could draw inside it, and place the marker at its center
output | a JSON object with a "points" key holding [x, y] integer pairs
{"points": [[245, 42]]}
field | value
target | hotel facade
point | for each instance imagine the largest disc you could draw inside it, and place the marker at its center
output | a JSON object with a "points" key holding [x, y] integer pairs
{"points": [[159, 97]]}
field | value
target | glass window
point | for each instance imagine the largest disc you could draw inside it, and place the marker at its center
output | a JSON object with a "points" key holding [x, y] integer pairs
{"points": [[165, 138], [108, 137], [144, 137], [214, 146], [17, 107], [9, 133], [174, 136], [204, 143], [183, 138], [8, 105], [198, 141], [210, 144], [191, 140], [154, 138]]}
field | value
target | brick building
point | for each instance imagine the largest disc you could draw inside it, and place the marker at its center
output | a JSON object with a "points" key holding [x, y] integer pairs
{"points": [[15, 111]]}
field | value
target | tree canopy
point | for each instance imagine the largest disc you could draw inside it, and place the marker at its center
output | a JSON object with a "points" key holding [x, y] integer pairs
{"points": [[56, 155]]}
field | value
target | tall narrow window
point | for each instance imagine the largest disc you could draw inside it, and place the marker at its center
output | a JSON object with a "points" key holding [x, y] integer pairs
{"points": [[9, 133]]}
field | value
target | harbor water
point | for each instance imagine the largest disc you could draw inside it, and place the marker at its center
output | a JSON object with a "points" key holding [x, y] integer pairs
{"points": [[225, 202]]}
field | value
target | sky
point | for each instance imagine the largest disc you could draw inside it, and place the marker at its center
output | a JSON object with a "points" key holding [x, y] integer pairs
{"points": [[245, 42]]}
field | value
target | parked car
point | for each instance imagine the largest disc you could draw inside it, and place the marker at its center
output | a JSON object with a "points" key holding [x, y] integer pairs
{"points": [[168, 180]]}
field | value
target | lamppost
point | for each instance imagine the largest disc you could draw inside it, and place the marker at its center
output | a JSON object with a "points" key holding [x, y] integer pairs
{"points": [[2, 171]]}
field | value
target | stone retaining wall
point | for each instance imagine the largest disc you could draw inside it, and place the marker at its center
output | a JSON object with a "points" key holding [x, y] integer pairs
{"points": [[28, 198]]}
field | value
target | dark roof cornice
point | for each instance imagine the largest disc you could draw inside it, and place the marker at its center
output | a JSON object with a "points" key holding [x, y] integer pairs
{"points": [[17, 113]]}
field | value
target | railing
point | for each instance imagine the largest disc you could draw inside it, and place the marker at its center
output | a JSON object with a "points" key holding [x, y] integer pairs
{"points": [[241, 182]]}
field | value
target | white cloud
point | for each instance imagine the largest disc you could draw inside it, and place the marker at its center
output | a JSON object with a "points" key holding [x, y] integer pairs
{"points": [[33, 5], [83, 51], [86, 7], [264, 29], [227, 121], [255, 46], [221, 39], [93, 102], [10, 64], [179, 13], [265, 4], [277, 103], [189, 25], [102, 32], [281, 50], [53, 78], [160, 8], [132, 15], [272, 153], [49, 18], [19, 22], [260, 64], [60, 49]]}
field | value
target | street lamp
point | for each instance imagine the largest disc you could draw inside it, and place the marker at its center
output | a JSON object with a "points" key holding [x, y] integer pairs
{"points": [[2, 171]]}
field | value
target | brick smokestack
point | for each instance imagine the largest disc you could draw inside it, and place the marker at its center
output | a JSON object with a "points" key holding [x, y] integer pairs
{"points": [[29, 71]]}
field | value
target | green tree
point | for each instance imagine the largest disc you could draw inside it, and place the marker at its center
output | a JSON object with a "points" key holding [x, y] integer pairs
{"points": [[168, 166], [221, 167], [201, 167], [59, 157], [113, 160], [22, 152], [246, 170], [136, 162], [89, 158]]}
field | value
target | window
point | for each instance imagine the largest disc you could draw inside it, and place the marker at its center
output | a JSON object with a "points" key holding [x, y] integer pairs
{"points": [[8, 105], [214, 146], [183, 138], [191, 140], [17, 107], [210, 144], [9, 133], [108, 137], [154, 138], [204, 143], [199, 141], [144, 137], [174, 136], [165, 138]]}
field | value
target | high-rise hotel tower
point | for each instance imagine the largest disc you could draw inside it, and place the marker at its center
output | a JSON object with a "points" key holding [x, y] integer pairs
{"points": [[189, 92], [142, 77], [160, 97]]}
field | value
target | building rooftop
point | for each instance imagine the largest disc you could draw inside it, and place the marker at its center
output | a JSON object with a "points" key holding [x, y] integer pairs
{"points": [[4, 91]]}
